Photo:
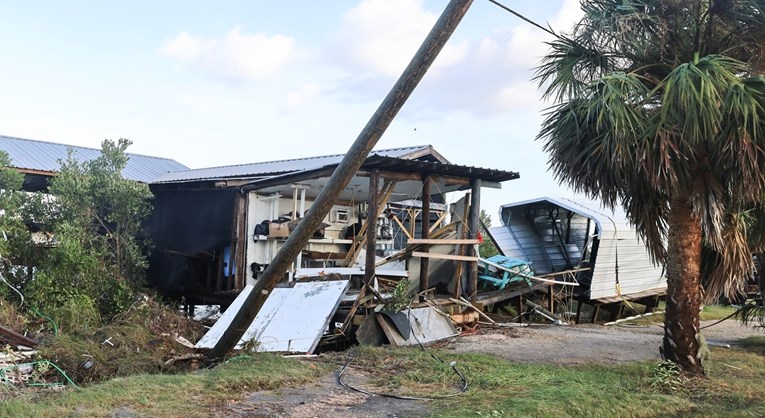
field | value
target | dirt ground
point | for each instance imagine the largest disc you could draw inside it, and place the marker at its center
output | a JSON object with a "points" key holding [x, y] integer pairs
{"points": [[572, 344]]}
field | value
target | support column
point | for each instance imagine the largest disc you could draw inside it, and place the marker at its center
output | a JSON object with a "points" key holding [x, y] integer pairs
{"points": [[374, 186], [475, 211], [425, 233]]}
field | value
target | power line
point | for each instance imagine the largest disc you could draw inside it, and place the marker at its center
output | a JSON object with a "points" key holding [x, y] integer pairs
{"points": [[507, 9]]}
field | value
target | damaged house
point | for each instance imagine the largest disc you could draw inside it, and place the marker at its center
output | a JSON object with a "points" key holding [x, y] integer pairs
{"points": [[216, 229]]}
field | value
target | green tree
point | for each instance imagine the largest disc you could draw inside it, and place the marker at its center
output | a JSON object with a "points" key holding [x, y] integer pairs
{"points": [[17, 209], [660, 108], [11, 202], [487, 247], [99, 258]]}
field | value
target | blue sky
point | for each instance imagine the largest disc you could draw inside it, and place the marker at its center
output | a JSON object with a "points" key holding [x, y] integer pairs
{"points": [[230, 82]]}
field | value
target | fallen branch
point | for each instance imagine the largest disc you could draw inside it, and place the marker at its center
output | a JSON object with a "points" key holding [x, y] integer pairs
{"points": [[619, 321]]}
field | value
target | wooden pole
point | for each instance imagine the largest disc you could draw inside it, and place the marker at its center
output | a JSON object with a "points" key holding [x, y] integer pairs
{"points": [[475, 211], [369, 268], [425, 233], [350, 164]]}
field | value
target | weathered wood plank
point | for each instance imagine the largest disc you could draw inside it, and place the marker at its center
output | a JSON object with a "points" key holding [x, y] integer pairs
{"points": [[444, 256]]}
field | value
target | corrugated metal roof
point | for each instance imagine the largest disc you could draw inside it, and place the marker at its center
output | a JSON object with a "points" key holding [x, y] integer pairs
{"points": [[44, 156], [273, 168], [528, 233]]}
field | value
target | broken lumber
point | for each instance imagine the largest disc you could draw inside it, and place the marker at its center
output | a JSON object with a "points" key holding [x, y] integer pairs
{"points": [[14, 338]]}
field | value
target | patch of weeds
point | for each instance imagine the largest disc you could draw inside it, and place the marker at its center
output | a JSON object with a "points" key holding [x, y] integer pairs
{"points": [[11, 318], [754, 344], [399, 298], [667, 378], [140, 340]]}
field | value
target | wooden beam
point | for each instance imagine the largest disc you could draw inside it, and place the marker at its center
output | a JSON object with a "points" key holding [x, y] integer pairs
{"points": [[403, 228], [461, 249], [489, 298], [450, 241], [439, 220], [15, 338], [369, 270], [475, 210], [425, 232], [444, 256]]}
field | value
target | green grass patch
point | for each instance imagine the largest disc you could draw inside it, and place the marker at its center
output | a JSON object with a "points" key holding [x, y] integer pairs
{"points": [[735, 386], [717, 312], [191, 394]]}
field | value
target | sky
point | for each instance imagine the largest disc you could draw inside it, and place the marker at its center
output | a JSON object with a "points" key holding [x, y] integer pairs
{"points": [[233, 82]]}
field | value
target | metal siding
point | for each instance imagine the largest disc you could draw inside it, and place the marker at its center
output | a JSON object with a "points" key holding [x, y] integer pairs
{"points": [[44, 156], [636, 271]]}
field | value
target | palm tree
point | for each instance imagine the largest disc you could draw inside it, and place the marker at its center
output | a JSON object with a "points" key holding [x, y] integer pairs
{"points": [[660, 107]]}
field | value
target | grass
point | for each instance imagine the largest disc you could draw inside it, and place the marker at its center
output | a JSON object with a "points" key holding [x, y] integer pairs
{"points": [[190, 395], [735, 386]]}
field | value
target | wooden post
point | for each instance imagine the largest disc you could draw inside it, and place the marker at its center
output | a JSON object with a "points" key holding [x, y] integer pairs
{"points": [[425, 233], [346, 169], [374, 184], [475, 211]]}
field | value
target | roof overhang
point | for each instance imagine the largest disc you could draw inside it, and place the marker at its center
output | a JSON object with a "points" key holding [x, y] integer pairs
{"points": [[408, 175]]}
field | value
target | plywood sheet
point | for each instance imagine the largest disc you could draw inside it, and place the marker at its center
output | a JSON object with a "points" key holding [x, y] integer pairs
{"points": [[294, 319]]}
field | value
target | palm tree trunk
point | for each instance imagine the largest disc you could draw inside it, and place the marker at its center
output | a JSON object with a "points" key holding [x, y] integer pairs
{"points": [[684, 294]]}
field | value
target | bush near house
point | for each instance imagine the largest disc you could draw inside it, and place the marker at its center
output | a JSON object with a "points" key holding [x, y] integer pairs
{"points": [[80, 292]]}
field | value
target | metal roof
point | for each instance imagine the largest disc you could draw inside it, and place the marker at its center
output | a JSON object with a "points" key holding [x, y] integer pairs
{"points": [[274, 168], [401, 165], [29, 154]]}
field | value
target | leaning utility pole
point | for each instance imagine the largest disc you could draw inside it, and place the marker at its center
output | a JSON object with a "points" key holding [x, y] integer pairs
{"points": [[347, 168]]}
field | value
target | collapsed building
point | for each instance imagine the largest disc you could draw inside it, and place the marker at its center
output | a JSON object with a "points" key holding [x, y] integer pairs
{"points": [[596, 246]]}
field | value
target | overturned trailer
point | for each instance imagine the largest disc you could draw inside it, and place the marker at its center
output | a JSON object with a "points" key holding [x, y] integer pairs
{"points": [[581, 238]]}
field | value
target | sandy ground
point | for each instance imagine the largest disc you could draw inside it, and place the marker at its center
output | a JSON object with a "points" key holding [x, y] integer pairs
{"points": [[585, 343], [573, 344]]}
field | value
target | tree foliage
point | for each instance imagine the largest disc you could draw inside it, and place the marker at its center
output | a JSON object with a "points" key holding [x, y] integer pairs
{"points": [[487, 248], [660, 107], [97, 256], [11, 201]]}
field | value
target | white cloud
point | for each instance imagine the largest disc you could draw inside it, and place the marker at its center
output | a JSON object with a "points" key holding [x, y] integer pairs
{"points": [[379, 37], [487, 74], [236, 56], [296, 98]]}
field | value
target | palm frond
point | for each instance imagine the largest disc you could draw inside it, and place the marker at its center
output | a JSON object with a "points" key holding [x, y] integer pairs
{"points": [[751, 314], [725, 270], [591, 141], [647, 210]]}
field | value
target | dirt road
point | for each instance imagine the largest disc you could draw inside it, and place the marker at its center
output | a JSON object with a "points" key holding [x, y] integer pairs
{"points": [[574, 344], [586, 343]]}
